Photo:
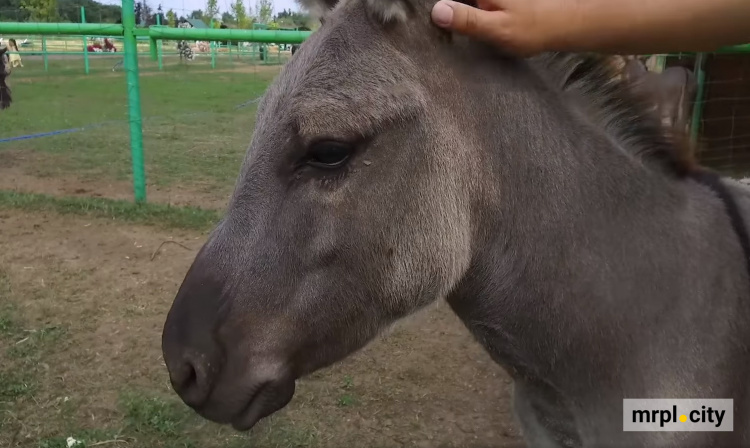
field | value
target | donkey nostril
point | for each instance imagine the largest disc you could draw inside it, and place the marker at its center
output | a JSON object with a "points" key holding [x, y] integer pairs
{"points": [[192, 376], [190, 382], [187, 378]]}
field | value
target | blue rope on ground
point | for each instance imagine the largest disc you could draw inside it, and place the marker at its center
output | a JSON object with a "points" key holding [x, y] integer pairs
{"points": [[247, 103], [104, 123], [41, 134], [61, 131]]}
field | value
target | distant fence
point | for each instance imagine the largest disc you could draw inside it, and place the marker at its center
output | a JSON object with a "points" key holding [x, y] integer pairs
{"points": [[51, 47], [130, 35]]}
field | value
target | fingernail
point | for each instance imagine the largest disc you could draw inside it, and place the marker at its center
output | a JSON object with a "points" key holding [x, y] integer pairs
{"points": [[442, 13]]}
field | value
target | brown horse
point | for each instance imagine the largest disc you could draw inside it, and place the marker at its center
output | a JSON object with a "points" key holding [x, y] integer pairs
{"points": [[670, 95], [394, 164], [671, 92]]}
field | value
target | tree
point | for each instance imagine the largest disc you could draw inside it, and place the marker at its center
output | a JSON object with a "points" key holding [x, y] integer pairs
{"points": [[171, 18], [212, 9], [240, 14], [70, 11], [146, 16], [264, 9], [197, 14], [289, 17], [40, 10], [138, 9]]}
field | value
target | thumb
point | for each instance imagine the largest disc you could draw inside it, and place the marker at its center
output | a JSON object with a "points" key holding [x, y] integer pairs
{"points": [[463, 18]]}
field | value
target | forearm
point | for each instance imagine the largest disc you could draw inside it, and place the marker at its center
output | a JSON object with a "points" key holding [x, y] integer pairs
{"points": [[655, 26]]}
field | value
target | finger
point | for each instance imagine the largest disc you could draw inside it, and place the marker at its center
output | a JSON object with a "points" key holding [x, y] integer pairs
{"points": [[465, 19]]}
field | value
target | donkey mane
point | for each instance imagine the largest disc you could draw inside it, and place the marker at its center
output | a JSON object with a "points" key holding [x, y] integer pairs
{"points": [[617, 109]]}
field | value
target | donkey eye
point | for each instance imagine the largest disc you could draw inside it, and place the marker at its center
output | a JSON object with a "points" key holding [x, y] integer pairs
{"points": [[329, 155]]}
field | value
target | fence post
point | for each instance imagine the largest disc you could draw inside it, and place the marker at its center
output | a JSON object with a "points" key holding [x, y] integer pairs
{"points": [[152, 49], [700, 73], [44, 53], [213, 54], [661, 63], [158, 44], [85, 43], [134, 100]]}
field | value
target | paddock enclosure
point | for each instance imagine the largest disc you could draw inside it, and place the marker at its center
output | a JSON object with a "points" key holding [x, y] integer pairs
{"points": [[88, 270]]}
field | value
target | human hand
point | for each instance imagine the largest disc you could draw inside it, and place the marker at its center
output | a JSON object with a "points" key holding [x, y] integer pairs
{"points": [[521, 27]]}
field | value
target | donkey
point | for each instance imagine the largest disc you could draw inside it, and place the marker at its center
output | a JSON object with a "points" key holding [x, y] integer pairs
{"points": [[5, 69], [394, 164]]}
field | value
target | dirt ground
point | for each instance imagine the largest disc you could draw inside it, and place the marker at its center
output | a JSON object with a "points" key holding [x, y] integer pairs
{"points": [[92, 287], [17, 174]]}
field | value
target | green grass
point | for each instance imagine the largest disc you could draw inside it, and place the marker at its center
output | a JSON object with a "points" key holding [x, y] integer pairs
{"points": [[348, 398], [8, 324], [152, 421], [150, 214], [194, 135], [29, 347], [21, 350], [15, 385], [153, 416]]}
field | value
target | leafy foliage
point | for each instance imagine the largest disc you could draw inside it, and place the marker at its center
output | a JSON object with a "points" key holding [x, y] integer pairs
{"points": [[40, 10], [171, 18], [57, 11], [212, 10], [264, 9]]}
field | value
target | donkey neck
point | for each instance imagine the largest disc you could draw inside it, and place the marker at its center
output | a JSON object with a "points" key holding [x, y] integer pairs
{"points": [[579, 245]]}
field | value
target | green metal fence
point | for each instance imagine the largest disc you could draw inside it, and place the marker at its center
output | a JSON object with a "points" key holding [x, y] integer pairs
{"points": [[44, 46], [131, 37]]}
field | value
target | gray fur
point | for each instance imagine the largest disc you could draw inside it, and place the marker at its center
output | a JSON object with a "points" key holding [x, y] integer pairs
{"points": [[534, 195], [388, 11]]}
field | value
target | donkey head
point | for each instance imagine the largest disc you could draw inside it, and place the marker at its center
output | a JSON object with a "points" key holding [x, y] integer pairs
{"points": [[5, 69], [362, 198], [351, 211]]}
